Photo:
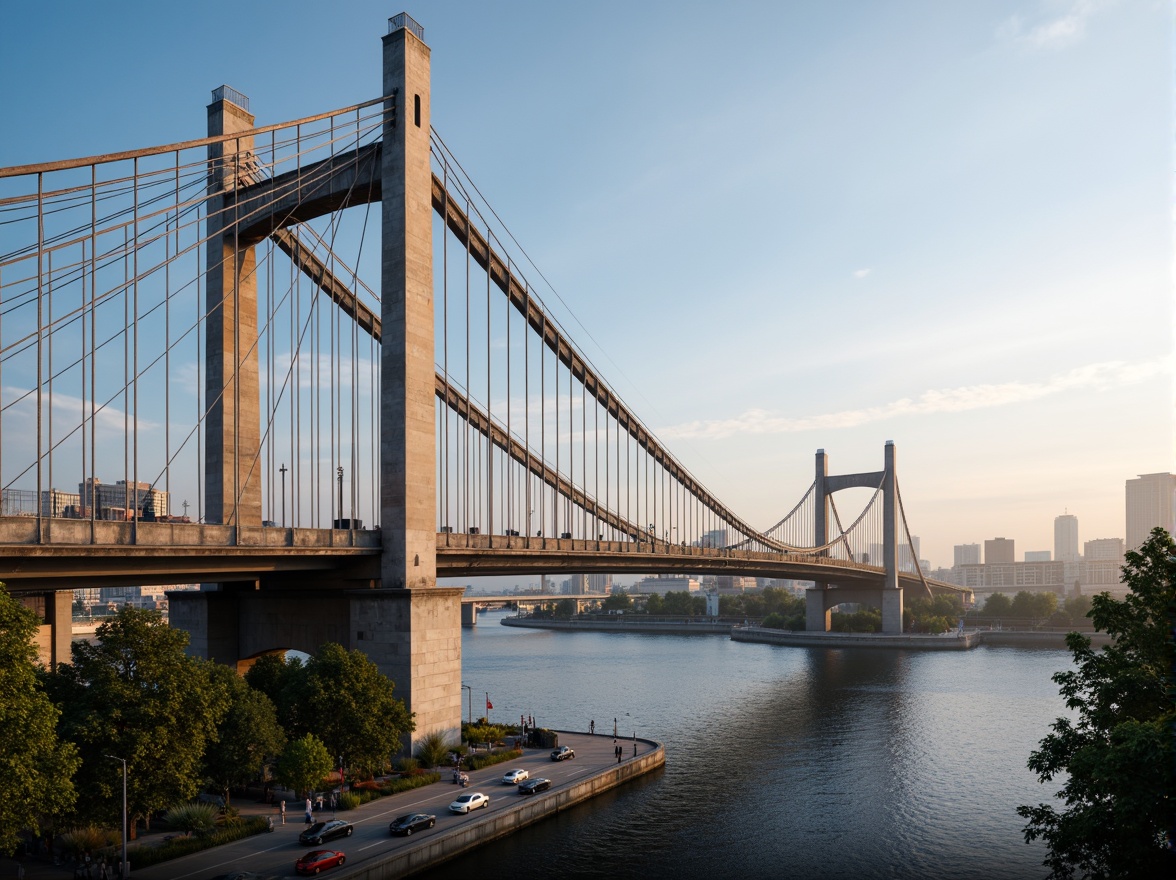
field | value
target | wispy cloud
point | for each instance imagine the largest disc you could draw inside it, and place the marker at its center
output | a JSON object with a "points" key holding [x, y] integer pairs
{"points": [[861, 273], [937, 400], [1055, 25]]}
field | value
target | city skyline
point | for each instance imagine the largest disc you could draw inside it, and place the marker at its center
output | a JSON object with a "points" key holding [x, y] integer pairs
{"points": [[938, 227]]}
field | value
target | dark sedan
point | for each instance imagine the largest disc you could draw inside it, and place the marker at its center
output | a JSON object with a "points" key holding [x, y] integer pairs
{"points": [[532, 786], [319, 860], [406, 825], [319, 832]]}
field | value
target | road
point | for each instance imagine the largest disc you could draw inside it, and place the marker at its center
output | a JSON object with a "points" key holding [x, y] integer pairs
{"points": [[275, 854]]}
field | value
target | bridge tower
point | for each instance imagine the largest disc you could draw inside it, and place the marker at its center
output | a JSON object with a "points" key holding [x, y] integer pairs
{"points": [[407, 625], [232, 483], [825, 596]]}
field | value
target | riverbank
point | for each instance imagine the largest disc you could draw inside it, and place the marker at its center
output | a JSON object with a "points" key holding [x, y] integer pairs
{"points": [[951, 641], [372, 854]]}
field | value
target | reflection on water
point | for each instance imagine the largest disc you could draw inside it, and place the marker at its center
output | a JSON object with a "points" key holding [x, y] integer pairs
{"points": [[780, 762]]}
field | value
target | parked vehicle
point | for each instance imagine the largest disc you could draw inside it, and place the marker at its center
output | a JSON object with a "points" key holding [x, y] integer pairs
{"points": [[467, 802], [406, 825], [563, 753], [320, 832], [319, 860], [514, 777], [532, 786]]}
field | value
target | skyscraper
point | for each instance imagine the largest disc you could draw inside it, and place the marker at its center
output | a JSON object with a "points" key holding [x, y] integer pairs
{"points": [[966, 554], [1151, 502], [998, 550], [1066, 538]]}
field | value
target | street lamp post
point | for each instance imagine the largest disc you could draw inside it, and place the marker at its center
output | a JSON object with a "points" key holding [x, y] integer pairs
{"points": [[340, 472], [125, 871], [470, 704], [282, 470]]}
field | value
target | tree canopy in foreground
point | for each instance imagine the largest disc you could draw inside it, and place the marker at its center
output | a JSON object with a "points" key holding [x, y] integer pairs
{"points": [[36, 768], [1116, 756]]}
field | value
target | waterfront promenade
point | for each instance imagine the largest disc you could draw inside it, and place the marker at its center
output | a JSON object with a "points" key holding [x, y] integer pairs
{"points": [[949, 641], [373, 853]]}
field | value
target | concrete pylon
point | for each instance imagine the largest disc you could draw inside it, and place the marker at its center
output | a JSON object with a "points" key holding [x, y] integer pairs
{"points": [[232, 481], [821, 600], [420, 646]]}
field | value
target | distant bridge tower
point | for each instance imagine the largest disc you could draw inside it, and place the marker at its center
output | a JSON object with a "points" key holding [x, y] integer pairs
{"points": [[826, 596]]}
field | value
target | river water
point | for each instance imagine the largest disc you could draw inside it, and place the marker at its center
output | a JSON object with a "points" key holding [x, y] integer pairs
{"points": [[780, 762]]}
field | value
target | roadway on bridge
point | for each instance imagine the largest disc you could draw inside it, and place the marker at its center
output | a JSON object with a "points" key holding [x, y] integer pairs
{"points": [[275, 854]]}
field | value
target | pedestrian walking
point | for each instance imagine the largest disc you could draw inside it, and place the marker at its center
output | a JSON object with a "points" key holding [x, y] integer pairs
{"points": [[309, 812], [592, 727], [617, 752], [282, 809]]}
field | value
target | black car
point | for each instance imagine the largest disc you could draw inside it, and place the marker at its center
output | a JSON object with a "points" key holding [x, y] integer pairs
{"points": [[320, 831], [406, 825], [531, 786]]}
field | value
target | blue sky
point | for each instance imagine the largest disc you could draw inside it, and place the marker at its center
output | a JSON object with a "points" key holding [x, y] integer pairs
{"points": [[785, 226]]}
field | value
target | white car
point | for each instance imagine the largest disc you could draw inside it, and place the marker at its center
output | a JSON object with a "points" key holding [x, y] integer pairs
{"points": [[514, 777], [467, 802]]}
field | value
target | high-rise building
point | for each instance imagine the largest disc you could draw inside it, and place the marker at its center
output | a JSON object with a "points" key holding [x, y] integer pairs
{"points": [[1151, 502], [600, 583], [1102, 563], [1037, 556], [1066, 538], [1000, 551], [966, 554]]}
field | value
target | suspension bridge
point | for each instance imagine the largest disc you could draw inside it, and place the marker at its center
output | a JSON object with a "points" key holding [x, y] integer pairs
{"points": [[307, 366]]}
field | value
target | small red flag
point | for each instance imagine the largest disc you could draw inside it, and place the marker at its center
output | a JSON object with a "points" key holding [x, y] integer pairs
{"points": [[489, 705]]}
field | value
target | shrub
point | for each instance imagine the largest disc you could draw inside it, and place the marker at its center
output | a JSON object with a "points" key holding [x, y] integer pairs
{"points": [[433, 749], [489, 759], [193, 818], [408, 765], [145, 856], [349, 800], [394, 786], [774, 620], [79, 840]]}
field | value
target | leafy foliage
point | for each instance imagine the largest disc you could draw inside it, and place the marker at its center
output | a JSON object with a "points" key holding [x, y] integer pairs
{"points": [[864, 621], [936, 614], [303, 764], [145, 856], [193, 818], [1116, 759], [137, 695], [771, 600], [344, 699], [433, 749], [617, 601], [278, 678], [488, 759], [565, 609], [36, 768], [248, 735]]}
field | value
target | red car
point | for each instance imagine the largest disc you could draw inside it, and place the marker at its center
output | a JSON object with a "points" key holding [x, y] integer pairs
{"points": [[318, 860]]}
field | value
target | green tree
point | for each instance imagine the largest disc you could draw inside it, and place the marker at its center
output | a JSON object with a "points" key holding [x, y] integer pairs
{"points": [[349, 704], [565, 609], [278, 678], [654, 604], [135, 694], [1034, 606], [247, 738], [303, 764], [1116, 757], [36, 768], [1079, 607], [997, 605], [618, 601]]}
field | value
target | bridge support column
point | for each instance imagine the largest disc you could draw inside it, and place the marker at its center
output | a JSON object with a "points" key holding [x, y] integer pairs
{"points": [[232, 481], [892, 611], [469, 614], [54, 638], [817, 617], [419, 623]]}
